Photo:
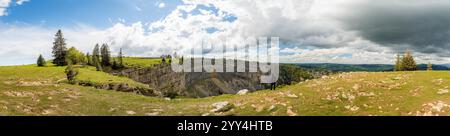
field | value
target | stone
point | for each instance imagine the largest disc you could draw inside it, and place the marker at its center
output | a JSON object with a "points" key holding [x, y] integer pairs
{"points": [[131, 112], [292, 96], [442, 91], [221, 106], [152, 114], [243, 92]]}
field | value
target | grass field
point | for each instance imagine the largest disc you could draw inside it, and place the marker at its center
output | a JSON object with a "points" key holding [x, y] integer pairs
{"points": [[31, 90], [141, 62]]}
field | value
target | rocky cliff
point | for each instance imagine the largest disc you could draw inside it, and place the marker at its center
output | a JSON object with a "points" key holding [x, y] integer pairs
{"points": [[195, 84]]}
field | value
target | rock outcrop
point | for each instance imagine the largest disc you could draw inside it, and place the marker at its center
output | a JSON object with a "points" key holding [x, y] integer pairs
{"points": [[192, 84]]}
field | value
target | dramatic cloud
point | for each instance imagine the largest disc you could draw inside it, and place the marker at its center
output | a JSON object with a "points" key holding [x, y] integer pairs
{"points": [[421, 26], [361, 31]]}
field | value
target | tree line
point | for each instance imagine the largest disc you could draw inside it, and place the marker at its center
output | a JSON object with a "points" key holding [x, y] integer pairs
{"points": [[100, 57], [407, 63], [63, 56]]}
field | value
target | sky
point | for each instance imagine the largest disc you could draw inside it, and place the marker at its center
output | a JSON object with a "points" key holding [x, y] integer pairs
{"points": [[310, 31]]}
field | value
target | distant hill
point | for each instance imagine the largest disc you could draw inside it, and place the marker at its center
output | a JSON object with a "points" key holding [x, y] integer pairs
{"points": [[435, 67], [347, 67], [362, 67]]}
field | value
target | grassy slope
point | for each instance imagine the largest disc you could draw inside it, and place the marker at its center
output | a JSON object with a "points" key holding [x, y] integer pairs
{"points": [[30, 90], [140, 62], [95, 77]]}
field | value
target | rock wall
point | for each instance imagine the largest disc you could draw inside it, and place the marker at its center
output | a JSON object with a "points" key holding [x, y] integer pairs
{"points": [[199, 84]]}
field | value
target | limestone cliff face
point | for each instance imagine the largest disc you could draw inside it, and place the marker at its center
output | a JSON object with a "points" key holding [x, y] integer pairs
{"points": [[199, 84]]}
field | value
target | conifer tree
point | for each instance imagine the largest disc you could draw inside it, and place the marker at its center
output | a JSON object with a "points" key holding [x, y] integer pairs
{"points": [[106, 55], [59, 50], [408, 62], [40, 61], [96, 58], [121, 59]]}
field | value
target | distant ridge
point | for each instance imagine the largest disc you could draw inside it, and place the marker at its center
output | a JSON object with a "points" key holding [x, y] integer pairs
{"points": [[362, 67]]}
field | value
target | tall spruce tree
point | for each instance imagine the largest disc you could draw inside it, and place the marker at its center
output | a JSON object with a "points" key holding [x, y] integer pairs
{"points": [[121, 59], [408, 62], [106, 55], [398, 63], [96, 57], [59, 50], [40, 61]]}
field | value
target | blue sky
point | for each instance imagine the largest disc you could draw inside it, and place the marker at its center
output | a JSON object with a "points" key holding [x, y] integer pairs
{"points": [[96, 13]]}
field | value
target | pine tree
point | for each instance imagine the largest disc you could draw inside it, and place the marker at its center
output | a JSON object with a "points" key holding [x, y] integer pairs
{"points": [[106, 55], [398, 64], [182, 60], [121, 59], [59, 50], [96, 58], [71, 73], [429, 67], [408, 62], [40, 61]]}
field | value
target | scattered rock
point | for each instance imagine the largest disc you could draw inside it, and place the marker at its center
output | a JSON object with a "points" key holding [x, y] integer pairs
{"points": [[352, 108], [292, 96], [152, 114], [19, 94], [167, 99], [221, 106], [205, 114], [243, 92], [356, 87], [131, 112], [290, 112], [370, 94], [271, 108], [47, 112], [433, 109], [442, 91]]}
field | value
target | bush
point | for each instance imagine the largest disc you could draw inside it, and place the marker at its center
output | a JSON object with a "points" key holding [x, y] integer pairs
{"points": [[71, 73], [75, 56]]}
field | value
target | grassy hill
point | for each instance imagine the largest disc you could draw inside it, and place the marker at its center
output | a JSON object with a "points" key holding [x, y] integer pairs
{"points": [[31, 90]]}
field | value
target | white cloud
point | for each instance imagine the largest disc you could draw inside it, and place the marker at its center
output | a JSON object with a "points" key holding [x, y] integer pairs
{"points": [[4, 4], [162, 5], [20, 2], [138, 8]]}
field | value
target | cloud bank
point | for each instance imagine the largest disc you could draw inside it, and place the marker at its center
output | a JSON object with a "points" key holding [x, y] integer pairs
{"points": [[338, 31]]}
